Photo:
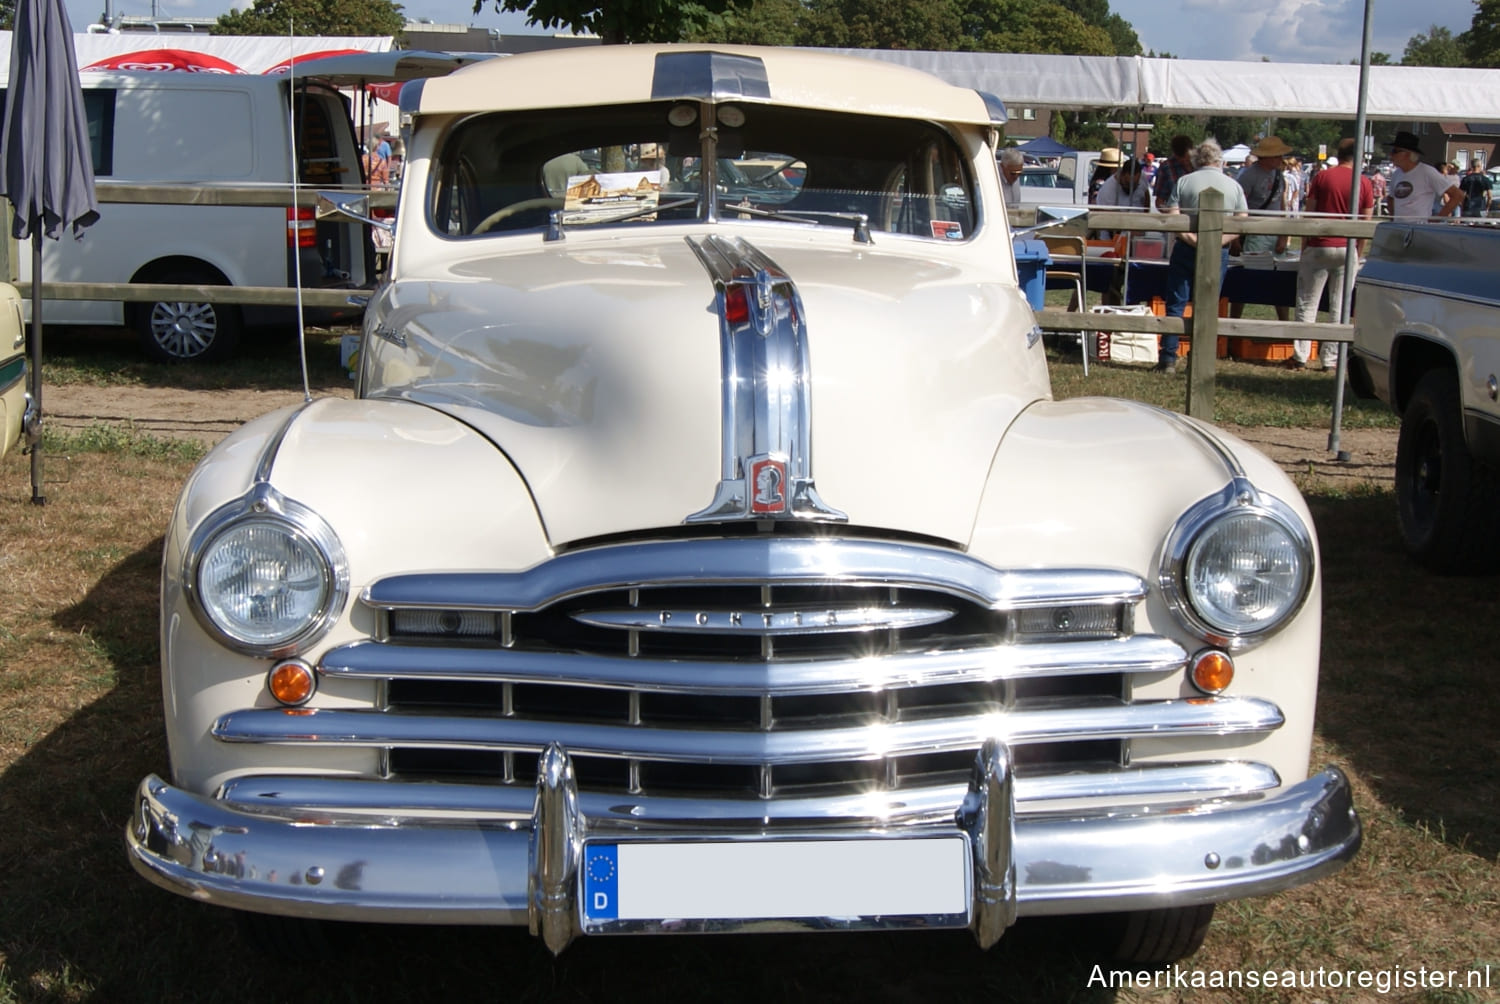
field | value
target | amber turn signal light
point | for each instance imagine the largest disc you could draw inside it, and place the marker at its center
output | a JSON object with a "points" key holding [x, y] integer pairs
{"points": [[291, 682], [1213, 671]]}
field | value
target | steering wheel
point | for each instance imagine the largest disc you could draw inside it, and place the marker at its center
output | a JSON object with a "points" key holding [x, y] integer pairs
{"points": [[506, 212]]}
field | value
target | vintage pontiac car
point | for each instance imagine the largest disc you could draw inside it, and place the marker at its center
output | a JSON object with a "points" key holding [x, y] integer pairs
{"points": [[704, 551], [1425, 343]]}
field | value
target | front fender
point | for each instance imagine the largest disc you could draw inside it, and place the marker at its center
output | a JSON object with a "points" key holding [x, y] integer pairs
{"points": [[1100, 483], [404, 488]]}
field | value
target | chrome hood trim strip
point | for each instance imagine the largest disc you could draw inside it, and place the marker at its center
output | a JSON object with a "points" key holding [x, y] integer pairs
{"points": [[767, 438]]}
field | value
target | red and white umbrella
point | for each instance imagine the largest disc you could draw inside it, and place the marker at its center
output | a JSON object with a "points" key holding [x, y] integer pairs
{"points": [[164, 59], [285, 65]]}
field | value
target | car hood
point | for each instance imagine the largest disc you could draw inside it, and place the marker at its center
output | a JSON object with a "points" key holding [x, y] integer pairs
{"points": [[595, 365]]}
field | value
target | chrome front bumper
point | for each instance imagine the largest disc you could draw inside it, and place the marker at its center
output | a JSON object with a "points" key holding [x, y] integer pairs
{"points": [[465, 871]]}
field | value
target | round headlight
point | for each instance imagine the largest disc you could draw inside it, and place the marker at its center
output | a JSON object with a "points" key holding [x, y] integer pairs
{"points": [[1245, 572], [266, 583]]}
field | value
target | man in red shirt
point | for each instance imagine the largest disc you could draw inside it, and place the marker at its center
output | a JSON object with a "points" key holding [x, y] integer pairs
{"points": [[1323, 258]]}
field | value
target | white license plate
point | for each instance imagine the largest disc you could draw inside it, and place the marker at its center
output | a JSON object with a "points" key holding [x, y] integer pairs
{"points": [[788, 879]]}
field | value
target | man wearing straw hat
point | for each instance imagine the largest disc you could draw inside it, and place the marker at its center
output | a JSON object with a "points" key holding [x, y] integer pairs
{"points": [[1266, 193]]}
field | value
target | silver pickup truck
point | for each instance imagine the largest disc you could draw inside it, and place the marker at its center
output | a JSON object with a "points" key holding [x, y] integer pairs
{"points": [[1426, 343]]}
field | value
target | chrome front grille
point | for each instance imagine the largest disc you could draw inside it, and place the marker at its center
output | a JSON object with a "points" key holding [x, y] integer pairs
{"points": [[757, 670]]}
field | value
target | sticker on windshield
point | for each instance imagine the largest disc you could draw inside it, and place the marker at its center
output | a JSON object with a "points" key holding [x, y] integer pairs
{"points": [[596, 198], [948, 230]]}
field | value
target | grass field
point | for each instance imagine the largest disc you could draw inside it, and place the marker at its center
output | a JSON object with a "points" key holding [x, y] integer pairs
{"points": [[1406, 707]]}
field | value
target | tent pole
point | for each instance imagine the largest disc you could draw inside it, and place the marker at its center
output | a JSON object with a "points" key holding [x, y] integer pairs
{"points": [[38, 496], [1351, 255]]}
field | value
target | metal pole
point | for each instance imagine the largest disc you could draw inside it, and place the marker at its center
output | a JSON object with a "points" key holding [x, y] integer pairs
{"points": [[38, 496], [1351, 256]]}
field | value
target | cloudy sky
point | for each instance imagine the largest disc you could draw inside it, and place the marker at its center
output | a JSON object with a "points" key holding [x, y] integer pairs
{"points": [[1284, 31]]}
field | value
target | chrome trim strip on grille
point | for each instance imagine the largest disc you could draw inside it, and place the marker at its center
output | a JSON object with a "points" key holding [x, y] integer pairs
{"points": [[282, 794], [777, 561], [766, 452], [1138, 654], [818, 620], [1157, 719]]}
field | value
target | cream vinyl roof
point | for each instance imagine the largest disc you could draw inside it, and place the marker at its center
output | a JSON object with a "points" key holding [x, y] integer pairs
{"points": [[626, 74]]}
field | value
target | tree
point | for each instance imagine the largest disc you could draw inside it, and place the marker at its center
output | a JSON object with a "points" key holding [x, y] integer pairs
{"points": [[617, 21], [1439, 47], [1482, 41], [7, 14], [1031, 26], [314, 17]]}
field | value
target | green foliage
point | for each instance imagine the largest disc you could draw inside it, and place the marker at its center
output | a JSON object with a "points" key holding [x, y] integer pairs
{"points": [[1075, 27], [7, 22], [313, 17], [1482, 41], [618, 21], [1438, 47]]}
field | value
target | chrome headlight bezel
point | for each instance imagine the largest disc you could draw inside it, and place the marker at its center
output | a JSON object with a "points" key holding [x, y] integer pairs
{"points": [[264, 505], [1238, 500]]}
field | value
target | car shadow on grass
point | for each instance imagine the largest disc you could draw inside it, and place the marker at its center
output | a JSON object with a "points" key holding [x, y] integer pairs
{"points": [[79, 924], [1407, 689]]}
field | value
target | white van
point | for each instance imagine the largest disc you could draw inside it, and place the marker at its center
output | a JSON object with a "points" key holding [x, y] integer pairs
{"points": [[194, 129]]}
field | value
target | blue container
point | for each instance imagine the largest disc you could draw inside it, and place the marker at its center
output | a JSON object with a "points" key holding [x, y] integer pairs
{"points": [[1032, 260]]}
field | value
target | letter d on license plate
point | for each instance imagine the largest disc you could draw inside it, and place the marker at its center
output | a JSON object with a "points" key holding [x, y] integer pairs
{"points": [[879, 880]]}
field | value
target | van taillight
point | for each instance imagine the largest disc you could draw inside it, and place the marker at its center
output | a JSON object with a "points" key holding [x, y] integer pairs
{"points": [[301, 228]]}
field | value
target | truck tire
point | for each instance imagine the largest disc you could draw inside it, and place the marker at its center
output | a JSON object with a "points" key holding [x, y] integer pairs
{"points": [[1446, 498], [174, 331]]}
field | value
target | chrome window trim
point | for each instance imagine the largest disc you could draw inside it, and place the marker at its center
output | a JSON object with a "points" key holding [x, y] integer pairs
{"points": [[1218, 716], [785, 561], [262, 502], [1237, 496], [375, 661]]}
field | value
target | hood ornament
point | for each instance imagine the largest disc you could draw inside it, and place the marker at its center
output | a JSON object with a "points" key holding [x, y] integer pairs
{"points": [[767, 445]]}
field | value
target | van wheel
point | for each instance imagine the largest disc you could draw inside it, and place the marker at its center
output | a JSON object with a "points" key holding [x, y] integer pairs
{"points": [[1446, 498], [173, 331]]}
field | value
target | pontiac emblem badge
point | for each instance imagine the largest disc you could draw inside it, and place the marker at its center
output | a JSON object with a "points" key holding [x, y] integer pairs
{"points": [[768, 476]]}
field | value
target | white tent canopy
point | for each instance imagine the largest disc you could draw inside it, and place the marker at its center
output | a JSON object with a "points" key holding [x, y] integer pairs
{"points": [[251, 53], [1219, 87]]}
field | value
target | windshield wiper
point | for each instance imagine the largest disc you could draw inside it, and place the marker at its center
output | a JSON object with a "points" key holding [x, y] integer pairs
{"points": [[859, 221]]}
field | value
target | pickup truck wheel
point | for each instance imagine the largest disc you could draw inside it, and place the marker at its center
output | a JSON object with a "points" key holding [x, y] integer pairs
{"points": [[1156, 937], [182, 331], [1446, 498]]}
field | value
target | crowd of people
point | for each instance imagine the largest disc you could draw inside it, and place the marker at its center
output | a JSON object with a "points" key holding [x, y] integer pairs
{"points": [[1274, 181]]}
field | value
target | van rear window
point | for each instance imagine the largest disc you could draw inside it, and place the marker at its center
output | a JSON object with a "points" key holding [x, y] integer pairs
{"points": [[100, 105]]}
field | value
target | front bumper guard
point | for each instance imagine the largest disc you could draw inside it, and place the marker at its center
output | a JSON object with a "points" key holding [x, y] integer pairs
{"points": [[462, 871]]}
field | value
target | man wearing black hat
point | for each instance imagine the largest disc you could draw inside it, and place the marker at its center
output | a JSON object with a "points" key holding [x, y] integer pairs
{"points": [[1419, 190]]}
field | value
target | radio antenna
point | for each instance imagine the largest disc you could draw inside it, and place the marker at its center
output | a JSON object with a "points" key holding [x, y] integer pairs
{"points": [[296, 209]]}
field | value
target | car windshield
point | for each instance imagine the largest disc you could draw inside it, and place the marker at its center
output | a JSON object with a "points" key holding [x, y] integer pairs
{"points": [[643, 164]]}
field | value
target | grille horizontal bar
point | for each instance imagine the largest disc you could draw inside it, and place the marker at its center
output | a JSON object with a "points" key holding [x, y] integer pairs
{"points": [[852, 674], [1197, 716], [778, 561], [279, 793]]}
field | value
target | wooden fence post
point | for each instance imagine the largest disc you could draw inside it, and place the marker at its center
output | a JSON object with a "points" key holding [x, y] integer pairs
{"points": [[1207, 270]]}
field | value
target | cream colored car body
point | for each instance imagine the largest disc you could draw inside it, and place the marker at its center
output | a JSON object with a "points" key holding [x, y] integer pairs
{"points": [[552, 404], [13, 367]]}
